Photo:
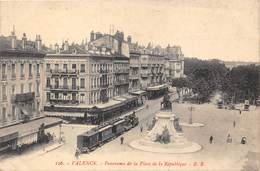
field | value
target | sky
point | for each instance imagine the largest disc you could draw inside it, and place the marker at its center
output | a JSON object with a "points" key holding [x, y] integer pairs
{"points": [[223, 29]]}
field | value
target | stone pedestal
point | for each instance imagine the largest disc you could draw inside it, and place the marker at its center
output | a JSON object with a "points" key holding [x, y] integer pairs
{"points": [[165, 137]]}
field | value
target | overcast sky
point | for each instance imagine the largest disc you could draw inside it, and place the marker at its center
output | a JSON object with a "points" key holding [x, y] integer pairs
{"points": [[224, 29]]}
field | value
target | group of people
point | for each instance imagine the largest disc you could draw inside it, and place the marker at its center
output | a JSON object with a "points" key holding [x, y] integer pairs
{"points": [[229, 139]]}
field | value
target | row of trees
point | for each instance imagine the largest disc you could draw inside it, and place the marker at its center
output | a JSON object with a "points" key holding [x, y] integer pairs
{"points": [[205, 77]]}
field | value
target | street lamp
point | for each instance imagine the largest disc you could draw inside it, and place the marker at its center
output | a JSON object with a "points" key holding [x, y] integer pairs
{"points": [[191, 108]]}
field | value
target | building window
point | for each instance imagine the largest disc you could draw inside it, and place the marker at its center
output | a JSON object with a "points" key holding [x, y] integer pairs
{"points": [[74, 84], [65, 67], [13, 112], [74, 66], [48, 67], [82, 83], [38, 107], [65, 83], [73, 96], [4, 114], [13, 71], [4, 97], [37, 88], [56, 82], [30, 87], [13, 89], [48, 82], [22, 70], [82, 68], [48, 95], [3, 71], [82, 96], [56, 95], [21, 88], [30, 70], [38, 69], [56, 67]]}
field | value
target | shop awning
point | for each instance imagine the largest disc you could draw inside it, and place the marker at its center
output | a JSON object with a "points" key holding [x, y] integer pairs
{"points": [[159, 87], [30, 127], [24, 111], [65, 114], [140, 92]]}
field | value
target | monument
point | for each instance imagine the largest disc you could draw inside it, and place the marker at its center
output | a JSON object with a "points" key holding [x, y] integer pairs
{"points": [[166, 135]]}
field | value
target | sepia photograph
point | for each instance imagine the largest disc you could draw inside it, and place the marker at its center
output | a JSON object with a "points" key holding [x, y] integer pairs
{"points": [[130, 85]]}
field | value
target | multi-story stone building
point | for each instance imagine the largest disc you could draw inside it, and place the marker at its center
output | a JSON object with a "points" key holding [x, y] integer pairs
{"points": [[21, 88], [79, 78], [174, 61], [21, 75]]}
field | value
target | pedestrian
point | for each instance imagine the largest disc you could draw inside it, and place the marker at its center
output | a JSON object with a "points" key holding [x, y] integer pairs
{"points": [[234, 124], [211, 139], [147, 106], [240, 111], [141, 128], [243, 140], [77, 153], [229, 139], [122, 140]]}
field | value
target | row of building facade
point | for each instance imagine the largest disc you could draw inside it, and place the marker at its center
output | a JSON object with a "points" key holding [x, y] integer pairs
{"points": [[90, 80]]}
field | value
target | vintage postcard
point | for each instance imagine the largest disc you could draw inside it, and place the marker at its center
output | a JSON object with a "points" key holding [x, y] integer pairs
{"points": [[133, 85]]}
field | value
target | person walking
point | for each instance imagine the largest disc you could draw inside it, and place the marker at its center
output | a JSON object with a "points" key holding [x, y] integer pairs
{"points": [[122, 140], [141, 128], [234, 124], [243, 140], [211, 139], [229, 139]]}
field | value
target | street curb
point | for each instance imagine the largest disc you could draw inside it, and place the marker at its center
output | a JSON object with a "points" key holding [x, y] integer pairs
{"points": [[47, 151]]}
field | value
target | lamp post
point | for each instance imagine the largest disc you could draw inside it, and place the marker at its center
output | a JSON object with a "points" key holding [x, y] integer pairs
{"points": [[191, 108]]}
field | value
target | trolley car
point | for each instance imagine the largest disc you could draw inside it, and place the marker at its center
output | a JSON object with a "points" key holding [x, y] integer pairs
{"points": [[96, 137]]}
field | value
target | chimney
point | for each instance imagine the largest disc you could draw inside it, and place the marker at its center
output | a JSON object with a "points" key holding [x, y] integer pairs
{"points": [[129, 39], [92, 36], [24, 41], [13, 39], [66, 46], [57, 49], [38, 42]]}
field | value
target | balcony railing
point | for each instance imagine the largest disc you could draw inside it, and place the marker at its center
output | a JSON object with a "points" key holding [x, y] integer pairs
{"points": [[64, 88], [64, 72], [121, 71], [134, 77], [103, 71], [24, 97], [144, 74], [63, 101], [104, 85], [121, 82]]}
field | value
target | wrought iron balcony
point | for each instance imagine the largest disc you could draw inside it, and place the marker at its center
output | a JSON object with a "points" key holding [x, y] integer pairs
{"points": [[64, 88], [60, 72], [24, 97], [121, 71], [63, 101], [104, 85]]}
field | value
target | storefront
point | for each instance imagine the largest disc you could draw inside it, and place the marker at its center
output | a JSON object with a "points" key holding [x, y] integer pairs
{"points": [[8, 140], [25, 133]]}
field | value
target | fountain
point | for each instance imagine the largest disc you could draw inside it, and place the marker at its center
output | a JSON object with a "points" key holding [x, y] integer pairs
{"points": [[166, 136]]}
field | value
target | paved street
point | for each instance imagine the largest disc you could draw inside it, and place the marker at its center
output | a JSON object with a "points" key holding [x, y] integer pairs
{"points": [[218, 155]]}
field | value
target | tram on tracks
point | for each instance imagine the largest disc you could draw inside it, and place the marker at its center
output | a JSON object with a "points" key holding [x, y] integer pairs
{"points": [[96, 137]]}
